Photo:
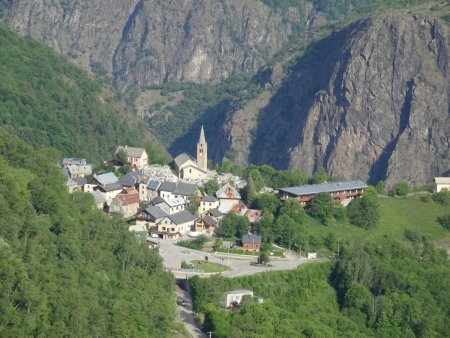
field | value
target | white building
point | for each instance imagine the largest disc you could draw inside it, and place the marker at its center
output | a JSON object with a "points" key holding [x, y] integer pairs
{"points": [[233, 298], [441, 183]]}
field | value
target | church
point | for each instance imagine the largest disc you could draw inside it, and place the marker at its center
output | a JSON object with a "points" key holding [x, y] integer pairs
{"points": [[189, 169]]}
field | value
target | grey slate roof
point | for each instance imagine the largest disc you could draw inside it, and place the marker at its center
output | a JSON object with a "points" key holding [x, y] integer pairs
{"points": [[157, 200], [107, 178], [227, 192], [80, 180], [324, 187], [131, 179], [185, 189], [180, 188], [167, 186], [98, 196], [182, 217], [111, 187], [175, 202], [209, 220], [156, 212], [153, 185], [209, 198], [215, 212], [74, 161], [251, 239], [79, 169], [131, 151], [183, 158]]}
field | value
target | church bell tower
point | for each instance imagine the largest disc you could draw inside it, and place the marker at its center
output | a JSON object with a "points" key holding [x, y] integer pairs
{"points": [[202, 151]]}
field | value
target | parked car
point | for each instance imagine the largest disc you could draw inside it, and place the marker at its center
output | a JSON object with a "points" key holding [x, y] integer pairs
{"points": [[182, 302]]}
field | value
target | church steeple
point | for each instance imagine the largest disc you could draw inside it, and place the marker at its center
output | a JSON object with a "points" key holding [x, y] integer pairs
{"points": [[202, 151]]}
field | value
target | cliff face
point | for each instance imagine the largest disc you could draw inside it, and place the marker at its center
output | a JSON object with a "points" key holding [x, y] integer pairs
{"points": [[371, 101], [140, 42]]}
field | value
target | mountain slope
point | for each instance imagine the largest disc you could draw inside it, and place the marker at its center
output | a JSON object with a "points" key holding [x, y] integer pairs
{"points": [[66, 269], [370, 101], [50, 102], [139, 43]]}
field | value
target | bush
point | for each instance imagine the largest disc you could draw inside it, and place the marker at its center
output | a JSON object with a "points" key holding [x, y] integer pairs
{"points": [[400, 189], [442, 197], [445, 221], [195, 244]]}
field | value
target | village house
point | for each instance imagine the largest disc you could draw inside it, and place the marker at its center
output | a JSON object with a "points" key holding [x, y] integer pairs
{"points": [[74, 161], [441, 183], [207, 203], [77, 167], [233, 298], [251, 242], [171, 190], [253, 215], [148, 189], [170, 206], [132, 179], [72, 186], [189, 169], [205, 224], [126, 203], [228, 197], [175, 225], [342, 192], [136, 157], [215, 213], [106, 184], [150, 216]]}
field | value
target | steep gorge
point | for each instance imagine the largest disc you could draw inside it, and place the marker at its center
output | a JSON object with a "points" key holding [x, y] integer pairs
{"points": [[370, 101]]}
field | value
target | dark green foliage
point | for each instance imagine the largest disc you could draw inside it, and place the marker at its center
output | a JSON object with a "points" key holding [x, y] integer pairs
{"points": [[322, 207], [48, 101], [234, 226], [390, 289], [267, 202], [442, 197], [211, 186], [445, 221], [67, 270], [399, 189], [194, 204], [381, 187], [249, 195], [364, 212], [196, 244]]}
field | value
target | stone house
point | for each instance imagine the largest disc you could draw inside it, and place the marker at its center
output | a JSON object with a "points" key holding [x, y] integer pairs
{"points": [[136, 157], [175, 225], [148, 189], [126, 203], [207, 203], [170, 206], [228, 197]]}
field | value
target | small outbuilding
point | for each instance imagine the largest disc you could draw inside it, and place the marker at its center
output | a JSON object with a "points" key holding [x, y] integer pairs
{"points": [[233, 298], [251, 242]]}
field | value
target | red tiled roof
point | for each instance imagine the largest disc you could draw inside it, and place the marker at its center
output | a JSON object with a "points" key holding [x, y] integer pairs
{"points": [[126, 199], [129, 191]]}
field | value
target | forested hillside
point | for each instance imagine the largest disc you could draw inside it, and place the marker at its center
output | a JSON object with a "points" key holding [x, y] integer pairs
{"points": [[66, 269], [389, 289], [48, 101]]}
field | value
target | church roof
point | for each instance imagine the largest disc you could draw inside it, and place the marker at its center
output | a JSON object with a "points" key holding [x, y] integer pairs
{"points": [[182, 159], [202, 139]]}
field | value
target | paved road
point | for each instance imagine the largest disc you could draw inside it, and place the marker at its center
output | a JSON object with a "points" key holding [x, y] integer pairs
{"points": [[186, 314], [173, 255]]}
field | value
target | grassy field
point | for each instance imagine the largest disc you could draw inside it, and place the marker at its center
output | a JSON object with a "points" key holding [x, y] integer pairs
{"points": [[398, 215], [209, 267]]}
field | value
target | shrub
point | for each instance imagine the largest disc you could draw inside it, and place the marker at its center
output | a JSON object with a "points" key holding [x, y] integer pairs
{"points": [[442, 197], [445, 221], [400, 189]]}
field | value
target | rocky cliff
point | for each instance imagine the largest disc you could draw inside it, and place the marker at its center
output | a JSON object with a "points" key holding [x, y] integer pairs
{"points": [[370, 101], [139, 43]]}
